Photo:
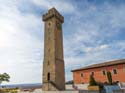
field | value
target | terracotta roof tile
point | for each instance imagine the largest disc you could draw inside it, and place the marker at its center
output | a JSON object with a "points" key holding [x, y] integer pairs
{"points": [[115, 62]]}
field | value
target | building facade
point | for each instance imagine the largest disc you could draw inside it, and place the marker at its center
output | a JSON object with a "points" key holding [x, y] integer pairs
{"points": [[53, 65], [99, 71]]}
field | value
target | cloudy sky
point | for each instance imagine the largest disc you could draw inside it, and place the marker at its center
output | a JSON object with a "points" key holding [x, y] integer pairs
{"points": [[93, 31]]}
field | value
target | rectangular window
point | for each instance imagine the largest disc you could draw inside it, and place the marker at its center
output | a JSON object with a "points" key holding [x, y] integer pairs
{"points": [[81, 74], [114, 71], [48, 62], [92, 73], [104, 72]]}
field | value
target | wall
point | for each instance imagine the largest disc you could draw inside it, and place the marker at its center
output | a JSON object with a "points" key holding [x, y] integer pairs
{"points": [[99, 75], [82, 91]]}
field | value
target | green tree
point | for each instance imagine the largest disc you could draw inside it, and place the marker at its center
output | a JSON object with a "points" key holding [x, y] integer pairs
{"points": [[4, 77], [92, 81], [109, 76]]}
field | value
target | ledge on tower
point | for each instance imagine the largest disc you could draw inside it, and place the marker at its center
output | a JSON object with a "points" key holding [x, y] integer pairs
{"points": [[53, 13]]}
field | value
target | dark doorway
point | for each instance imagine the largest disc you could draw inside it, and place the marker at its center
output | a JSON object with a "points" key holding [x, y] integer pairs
{"points": [[48, 77]]}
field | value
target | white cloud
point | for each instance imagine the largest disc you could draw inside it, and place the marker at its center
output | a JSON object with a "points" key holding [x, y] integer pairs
{"points": [[103, 46], [96, 49], [93, 36], [63, 6], [20, 49]]}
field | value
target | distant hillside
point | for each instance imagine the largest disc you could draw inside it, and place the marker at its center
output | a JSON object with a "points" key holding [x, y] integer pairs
{"points": [[21, 85], [69, 82]]}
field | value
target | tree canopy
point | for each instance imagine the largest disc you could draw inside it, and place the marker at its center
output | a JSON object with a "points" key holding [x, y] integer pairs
{"points": [[4, 77]]}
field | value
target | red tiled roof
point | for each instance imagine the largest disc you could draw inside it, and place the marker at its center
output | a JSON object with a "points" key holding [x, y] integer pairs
{"points": [[110, 63]]}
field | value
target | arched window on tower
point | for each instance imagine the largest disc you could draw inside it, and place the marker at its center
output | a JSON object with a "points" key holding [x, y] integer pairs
{"points": [[48, 77]]}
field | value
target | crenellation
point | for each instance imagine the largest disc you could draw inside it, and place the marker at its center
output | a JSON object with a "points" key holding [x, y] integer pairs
{"points": [[53, 13]]}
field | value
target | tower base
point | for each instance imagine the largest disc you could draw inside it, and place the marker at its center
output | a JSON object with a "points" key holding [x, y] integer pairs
{"points": [[49, 86]]}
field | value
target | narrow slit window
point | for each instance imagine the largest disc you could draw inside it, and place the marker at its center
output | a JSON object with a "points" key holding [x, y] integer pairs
{"points": [[48, 62]]}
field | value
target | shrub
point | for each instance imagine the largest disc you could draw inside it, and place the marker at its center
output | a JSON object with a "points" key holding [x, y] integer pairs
{"points": [[109, 76], [92, 81]]}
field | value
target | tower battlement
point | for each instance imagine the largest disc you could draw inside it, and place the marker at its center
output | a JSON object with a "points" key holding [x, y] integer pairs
{"points": [[53, 13]]}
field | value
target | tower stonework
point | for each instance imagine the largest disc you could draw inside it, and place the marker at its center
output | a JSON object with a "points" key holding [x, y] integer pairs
{"points": [[53, 65]]}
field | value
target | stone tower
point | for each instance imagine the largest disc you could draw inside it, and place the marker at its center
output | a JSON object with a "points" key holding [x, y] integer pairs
{"points": [[53, 65]]}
